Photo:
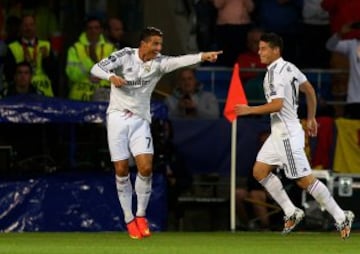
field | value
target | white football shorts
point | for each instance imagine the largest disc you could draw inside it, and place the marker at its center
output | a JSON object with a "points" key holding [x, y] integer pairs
{"points": [[287, 153], [128, 134]]}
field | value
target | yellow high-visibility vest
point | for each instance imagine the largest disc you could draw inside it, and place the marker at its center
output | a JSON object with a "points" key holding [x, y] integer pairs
{"points": [[39, 79], [79, 64]]}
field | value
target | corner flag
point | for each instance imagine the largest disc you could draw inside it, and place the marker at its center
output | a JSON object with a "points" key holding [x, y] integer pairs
{"points": [[235, 95]]}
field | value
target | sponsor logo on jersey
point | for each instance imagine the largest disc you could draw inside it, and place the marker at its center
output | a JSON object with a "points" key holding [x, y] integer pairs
{"points": [[104, 62], [137, 83]]}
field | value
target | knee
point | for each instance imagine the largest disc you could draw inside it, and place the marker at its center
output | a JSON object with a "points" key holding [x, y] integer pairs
{"points": [[259, 174], [305, 182], [145, 170], [261, 171], [121, 169]]}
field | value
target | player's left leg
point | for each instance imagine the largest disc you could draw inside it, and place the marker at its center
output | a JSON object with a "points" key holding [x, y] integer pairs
{"points": [[142, 148], [322, 195], [143, 190]]}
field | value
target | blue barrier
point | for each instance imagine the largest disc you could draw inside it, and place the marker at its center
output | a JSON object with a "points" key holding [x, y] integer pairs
{"points": [[72, 202], [40, 109]]}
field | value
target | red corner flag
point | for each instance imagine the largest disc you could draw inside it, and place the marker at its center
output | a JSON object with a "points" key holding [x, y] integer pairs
{"points": [[235, 95]]}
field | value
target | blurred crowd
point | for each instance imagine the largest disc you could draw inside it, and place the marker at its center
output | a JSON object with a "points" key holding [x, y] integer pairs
{"points": [[31, 34]]}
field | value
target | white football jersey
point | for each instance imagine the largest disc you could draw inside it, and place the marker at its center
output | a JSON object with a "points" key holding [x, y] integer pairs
{"points": [[141, 78], [282, 80]]}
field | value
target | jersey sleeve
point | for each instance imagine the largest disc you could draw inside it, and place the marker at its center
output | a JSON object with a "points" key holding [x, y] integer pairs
{"points": [[104, 69], [170, 63], [301, 77]]}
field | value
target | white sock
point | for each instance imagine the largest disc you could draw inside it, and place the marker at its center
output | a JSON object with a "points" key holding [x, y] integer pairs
{"points": [[322, 195], [143, 192], [274, 186], [124, 191]]}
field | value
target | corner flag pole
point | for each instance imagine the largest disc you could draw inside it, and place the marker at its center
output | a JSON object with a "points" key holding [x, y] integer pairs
{"points": [[233, 176], [235, 96]]}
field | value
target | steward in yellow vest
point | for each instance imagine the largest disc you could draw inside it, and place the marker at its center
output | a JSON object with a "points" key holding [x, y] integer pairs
{"points": [[88, 50], [34, 51]]}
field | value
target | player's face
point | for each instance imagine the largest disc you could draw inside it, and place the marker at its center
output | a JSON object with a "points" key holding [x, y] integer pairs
{"points": [[152, 47], [268, 54]]}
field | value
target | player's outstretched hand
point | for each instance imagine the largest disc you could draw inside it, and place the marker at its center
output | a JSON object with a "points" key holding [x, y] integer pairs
{"points": [[117, 81], [210, 56]]}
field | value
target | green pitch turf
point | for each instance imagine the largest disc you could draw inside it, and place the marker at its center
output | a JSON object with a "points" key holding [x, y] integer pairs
{"points": [[178, 243]]}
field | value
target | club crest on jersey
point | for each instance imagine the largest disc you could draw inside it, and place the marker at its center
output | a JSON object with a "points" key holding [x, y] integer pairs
{"points": [[147, 68], [129, 69]]}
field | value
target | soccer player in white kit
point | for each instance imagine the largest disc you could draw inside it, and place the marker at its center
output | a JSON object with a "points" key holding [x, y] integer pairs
{"points": [[285, 146], [134, 73]]}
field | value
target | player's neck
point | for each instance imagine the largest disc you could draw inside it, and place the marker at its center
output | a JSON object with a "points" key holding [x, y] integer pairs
{"points": [[143, 56]]}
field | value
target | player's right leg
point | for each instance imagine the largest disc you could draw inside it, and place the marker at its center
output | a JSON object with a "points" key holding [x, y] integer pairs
{"points": [[344, 227], [117, 130]]}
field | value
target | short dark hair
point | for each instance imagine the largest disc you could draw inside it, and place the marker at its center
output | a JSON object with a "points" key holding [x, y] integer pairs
{"points": [[150, 31], [24, 64], [274, 40], [89, 19]]}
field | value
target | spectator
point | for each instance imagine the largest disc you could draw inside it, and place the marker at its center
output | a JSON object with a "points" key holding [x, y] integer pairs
{"points": [[350, 48], [252, 81], [250, 58], [22, 81], [232, 24], [114, 32], [249, 188], [189, 100], [90, 48], [316, 30], [340, 14], [35, 51]]}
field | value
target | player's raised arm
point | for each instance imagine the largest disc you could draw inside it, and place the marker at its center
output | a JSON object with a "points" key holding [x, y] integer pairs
{"points": [[169, 64]]}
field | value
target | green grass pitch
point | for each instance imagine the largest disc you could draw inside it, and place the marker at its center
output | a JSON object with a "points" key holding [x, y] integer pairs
{"points": [[179, 243]]}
